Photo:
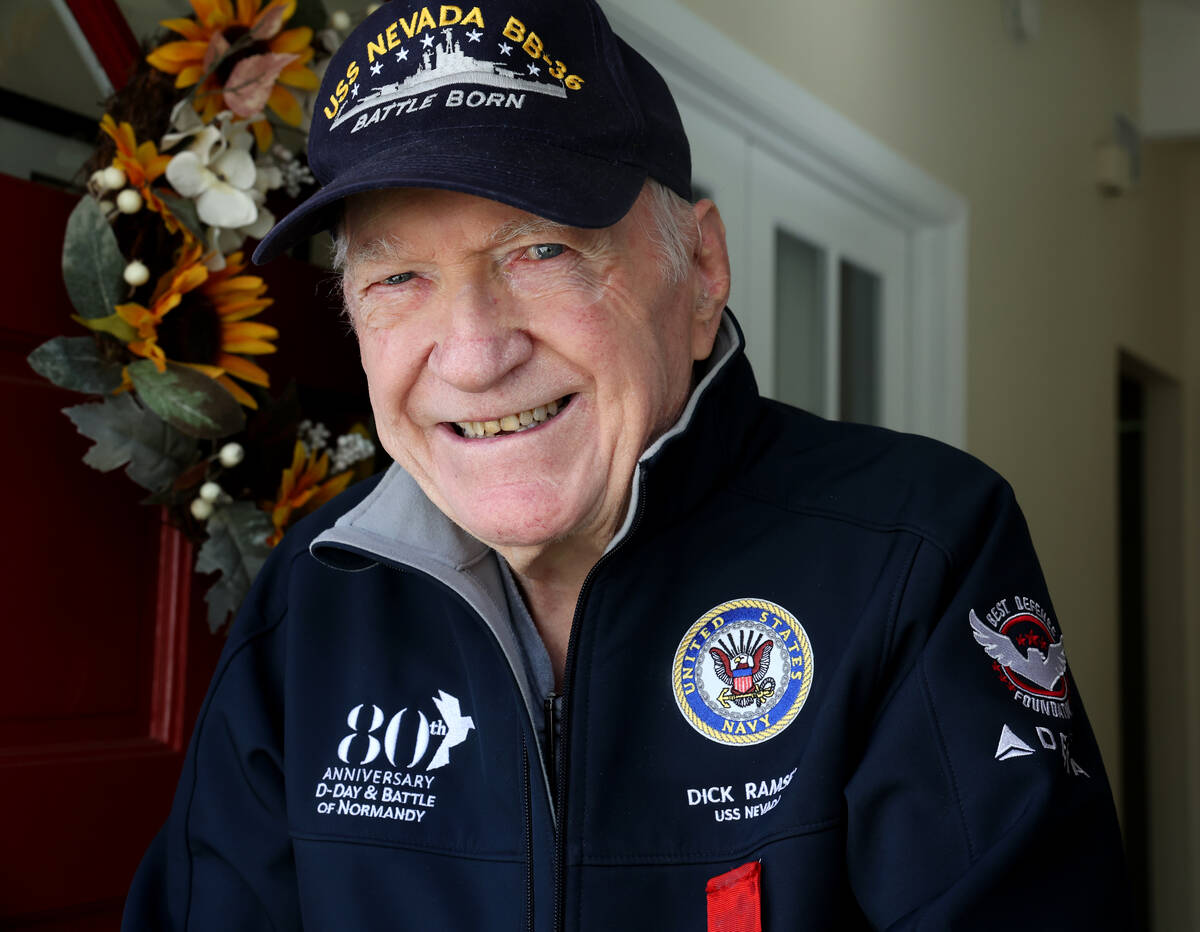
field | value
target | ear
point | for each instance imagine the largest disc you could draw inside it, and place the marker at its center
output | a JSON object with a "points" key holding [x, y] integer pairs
{"points": [[710, 276]]}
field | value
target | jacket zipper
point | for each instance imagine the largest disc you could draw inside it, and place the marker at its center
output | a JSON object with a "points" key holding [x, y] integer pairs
{"points": [[528, 837], [407, 568], [560, 754]]}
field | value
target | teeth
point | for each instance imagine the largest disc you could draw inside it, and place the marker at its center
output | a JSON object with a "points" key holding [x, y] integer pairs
{"points": [[509, 423]]}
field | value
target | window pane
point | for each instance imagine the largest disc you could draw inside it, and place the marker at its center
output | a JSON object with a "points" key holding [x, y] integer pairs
{"points": [[49, 100], [860, 356], [799, 323]]}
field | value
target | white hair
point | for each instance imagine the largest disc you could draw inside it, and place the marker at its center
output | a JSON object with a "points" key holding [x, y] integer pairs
{"points": [[673, 233]]}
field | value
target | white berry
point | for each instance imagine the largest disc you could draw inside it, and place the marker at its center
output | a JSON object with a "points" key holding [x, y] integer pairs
{"points": [[231, 454], [210, 492], [136, 273], [113, 178], [201, 510], [129, 201], [339, 20]]}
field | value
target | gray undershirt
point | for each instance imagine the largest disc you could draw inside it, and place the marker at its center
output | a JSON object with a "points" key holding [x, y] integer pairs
{"points": [[539, 674]]}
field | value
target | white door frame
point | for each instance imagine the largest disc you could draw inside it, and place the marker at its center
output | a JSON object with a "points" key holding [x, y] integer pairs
{"points": [[710, 71]]}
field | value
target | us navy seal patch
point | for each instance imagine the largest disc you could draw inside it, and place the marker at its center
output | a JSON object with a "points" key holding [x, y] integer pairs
{"points": [[743, 671]]}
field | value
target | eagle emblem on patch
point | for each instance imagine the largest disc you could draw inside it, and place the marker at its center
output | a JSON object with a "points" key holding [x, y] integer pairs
{"points": [[743, 671], [1027, 653]]}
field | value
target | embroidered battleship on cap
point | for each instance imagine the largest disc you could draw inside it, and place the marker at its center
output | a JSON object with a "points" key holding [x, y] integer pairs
{"points": [[533, 103], [445, 63]]}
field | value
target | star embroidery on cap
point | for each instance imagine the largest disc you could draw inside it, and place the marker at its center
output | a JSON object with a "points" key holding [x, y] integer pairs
{"points": [[354, 90], [505, 48], [376, 68], [474, 35], [534, 69], [428, 39], [402, 55]]}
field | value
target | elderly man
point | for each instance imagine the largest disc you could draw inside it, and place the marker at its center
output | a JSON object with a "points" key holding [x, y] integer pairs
{"points": [[615, 644]]}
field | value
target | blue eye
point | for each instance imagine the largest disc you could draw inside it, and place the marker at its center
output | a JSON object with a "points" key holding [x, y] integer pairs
{"points": [[545, 251], [398, 279]]}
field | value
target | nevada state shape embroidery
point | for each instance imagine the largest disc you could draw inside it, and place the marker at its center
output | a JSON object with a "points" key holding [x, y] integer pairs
{"points": [[743, 671]]}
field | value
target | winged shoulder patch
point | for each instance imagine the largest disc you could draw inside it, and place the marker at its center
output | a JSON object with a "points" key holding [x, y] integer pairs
{"points": [[1027, 654]]}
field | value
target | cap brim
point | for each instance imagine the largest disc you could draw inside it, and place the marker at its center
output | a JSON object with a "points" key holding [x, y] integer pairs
{"points": [[527, 173]]}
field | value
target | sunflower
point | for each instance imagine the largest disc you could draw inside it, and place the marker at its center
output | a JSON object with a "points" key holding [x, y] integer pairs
{"points": [[200, 318], [141, 164], [303, 487], [222, 37]]}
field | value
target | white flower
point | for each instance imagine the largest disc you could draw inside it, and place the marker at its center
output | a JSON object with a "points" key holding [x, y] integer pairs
{"points": [[314, 436], [295, 173], [351, 449], [216, 170]]}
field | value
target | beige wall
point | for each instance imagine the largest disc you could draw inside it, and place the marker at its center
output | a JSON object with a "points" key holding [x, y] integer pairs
{"points": [[1059, 279]]}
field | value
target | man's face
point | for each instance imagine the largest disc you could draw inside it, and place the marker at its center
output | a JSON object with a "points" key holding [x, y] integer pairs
{"points": [[471, 314]]}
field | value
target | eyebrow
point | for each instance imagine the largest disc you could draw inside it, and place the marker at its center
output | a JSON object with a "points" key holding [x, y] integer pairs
{"points": [[380, 249], [515, 229], [383, 247]]}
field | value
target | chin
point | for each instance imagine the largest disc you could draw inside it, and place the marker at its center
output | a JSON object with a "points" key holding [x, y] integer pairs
{"points": [[520, 525]]}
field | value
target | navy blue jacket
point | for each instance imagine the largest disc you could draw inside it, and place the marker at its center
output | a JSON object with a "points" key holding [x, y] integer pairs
{"points": [[824, 648]]}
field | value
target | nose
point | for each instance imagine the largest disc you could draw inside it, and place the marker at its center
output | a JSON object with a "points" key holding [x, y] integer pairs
{"points": [[483, 341]]}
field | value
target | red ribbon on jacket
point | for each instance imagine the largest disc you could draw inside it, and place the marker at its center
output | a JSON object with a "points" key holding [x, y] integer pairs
{"points": [[735, 900]]}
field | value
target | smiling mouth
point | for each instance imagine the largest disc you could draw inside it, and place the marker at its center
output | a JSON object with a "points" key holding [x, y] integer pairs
{"points": [[512, 423]]}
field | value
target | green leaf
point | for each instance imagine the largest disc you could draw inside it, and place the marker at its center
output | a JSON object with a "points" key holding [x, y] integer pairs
{"points": [[126, 433], [310, 13], [188, 400], [76, 363], [236, 548], [92, 262], [184, 210], [113, 324]]}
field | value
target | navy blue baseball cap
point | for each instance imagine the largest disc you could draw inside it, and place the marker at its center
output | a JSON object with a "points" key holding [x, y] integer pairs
{"points": [[533, 103]]}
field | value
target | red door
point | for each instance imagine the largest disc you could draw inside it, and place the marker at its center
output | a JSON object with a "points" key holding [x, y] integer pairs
{"points": [[107, 651], [103, 666]]}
